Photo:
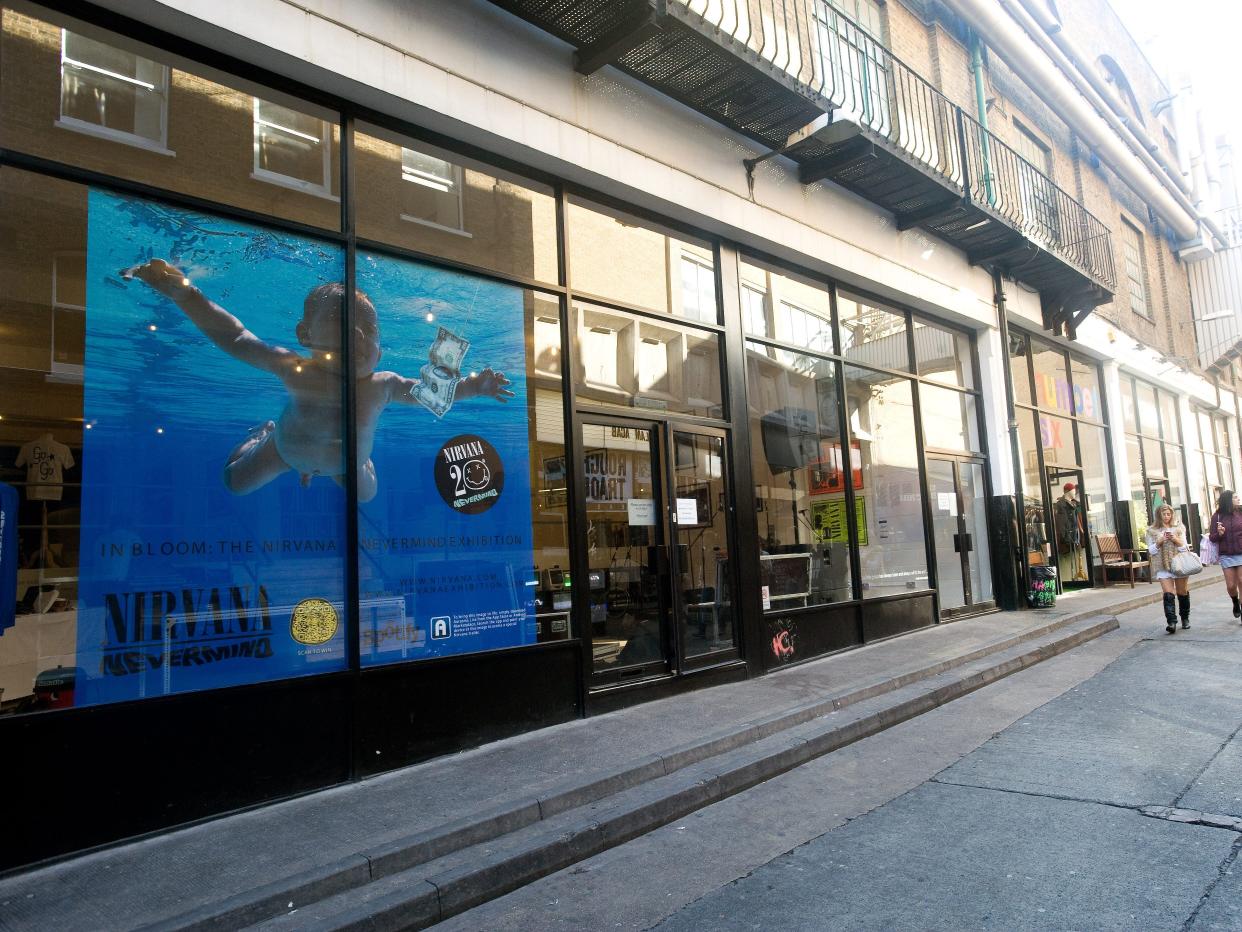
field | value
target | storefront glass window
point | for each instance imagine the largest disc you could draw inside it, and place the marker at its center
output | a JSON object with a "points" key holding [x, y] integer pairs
{"points": [[1170, 429], [1128, 411], [175, 475], [1097, 488], [1020, 366], [637, 362], [950, 421], [943, 355], [1057, 438], [616, 256], [1088, 402], [1148, 416], [872, 334], [97, 100], [799, 472], [432, 201], [800, 309], [461, 473], [889, 497], [1052, 387]]}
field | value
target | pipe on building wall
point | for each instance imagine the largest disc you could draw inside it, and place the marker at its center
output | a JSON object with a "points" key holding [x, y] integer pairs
{"points": [[981, 105], [1056, 90], [1140, 142]]}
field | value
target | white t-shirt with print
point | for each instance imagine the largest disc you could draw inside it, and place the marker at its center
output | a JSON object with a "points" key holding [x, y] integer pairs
{"points": [[46, 460]]}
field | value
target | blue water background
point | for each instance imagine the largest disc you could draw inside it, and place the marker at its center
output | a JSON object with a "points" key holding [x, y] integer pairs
{"points": [[164, 408], [395, 617]]}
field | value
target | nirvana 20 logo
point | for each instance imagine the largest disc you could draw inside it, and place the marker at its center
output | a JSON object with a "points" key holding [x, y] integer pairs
{"points": [[469, 474]]}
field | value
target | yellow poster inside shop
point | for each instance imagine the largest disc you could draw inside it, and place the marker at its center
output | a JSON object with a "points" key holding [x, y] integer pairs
{"points": [[828, 520]]}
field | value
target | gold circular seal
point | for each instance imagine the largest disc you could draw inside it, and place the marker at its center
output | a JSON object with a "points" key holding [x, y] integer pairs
{"points": [[313, 621]]}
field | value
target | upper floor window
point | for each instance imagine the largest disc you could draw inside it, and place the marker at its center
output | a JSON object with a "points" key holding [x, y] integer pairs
{"points": [[1116, 77], [1136, 268], [292, 148], [109, 92], [866, 13], [434, 193]]}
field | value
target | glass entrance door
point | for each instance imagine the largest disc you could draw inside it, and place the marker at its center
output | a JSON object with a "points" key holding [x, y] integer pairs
{"points": [[657, 546], [960, 534], [628, 580]]}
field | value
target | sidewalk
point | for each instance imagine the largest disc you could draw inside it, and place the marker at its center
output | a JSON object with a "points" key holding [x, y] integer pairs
{"points": [[517, 807]]}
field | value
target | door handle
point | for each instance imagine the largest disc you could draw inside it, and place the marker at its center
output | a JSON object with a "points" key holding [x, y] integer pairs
{"points": [[957, 543], [970, 544]]}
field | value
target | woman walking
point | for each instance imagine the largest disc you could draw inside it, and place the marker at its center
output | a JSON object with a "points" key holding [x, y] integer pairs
{"points": [[1165, 539], [1226, 533]]}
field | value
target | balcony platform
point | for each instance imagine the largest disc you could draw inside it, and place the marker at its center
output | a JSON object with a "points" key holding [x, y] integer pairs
{"points": [[804, 80]]}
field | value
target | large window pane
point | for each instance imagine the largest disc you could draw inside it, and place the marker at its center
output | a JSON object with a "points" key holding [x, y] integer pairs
{"points": [[943, 355], [433, 201], [1057, 439], [1097, 488], [1088, 402], [94, 99], [462, 475], [889, 495], [1020, 366], [1170, 426], [872, 334], [949, 419], [179, 514], [637, 362], [799, 475], [617, 256], [1052, 388], [1148, 418], [793, 310]]}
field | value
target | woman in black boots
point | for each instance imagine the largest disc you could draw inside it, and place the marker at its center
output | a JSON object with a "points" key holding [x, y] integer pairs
{"points": [[1226, 532], [1165, 537]]}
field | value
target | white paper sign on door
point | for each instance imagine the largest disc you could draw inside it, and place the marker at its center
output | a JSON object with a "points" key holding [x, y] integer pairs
{"points": [[642, 512], [687, 511], [947, 501], [767, 598]]}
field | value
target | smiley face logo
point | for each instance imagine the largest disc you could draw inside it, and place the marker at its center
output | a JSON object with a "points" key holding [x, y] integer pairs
{"points": [[476, 475]]}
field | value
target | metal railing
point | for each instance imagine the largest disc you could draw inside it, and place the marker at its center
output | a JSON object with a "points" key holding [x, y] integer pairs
{"points": [[861, 81]]}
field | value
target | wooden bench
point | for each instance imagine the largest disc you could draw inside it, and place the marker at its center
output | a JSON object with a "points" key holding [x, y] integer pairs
{"points": [[1115, 557]]}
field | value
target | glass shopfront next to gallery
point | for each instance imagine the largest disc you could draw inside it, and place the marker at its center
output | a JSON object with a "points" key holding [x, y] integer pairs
{"points": [[1067, 491], [326, 447]]}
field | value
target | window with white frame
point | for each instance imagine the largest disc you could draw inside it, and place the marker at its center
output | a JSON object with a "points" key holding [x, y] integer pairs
{"points": [[68, 316], [292, 148], [433, 195], [1038, 194], [803, 328], [109, 92], [1136, 268], [698, 289]]}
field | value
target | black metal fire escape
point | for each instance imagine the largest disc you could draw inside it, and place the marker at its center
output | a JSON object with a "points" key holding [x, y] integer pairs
{"points": [[798, 76]]}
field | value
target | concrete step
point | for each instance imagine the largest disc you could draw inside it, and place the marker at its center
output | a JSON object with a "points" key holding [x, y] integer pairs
{"points": [[412, 886]]}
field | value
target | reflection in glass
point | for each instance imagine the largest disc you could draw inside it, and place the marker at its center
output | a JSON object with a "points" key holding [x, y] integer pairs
{"points": [[794, 309], [949, 419], [1052, 388], [1057, 439], [1020, 366], [101, 101], [638, 362], [800, 477], [617, 256], [946, 533], [429, 200], [943, 355], [888, 496], [1097, 487], [1088, 403], [872, 334]]}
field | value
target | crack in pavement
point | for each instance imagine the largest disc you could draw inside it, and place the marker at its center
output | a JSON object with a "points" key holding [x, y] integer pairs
{"points": [[1202, 770], [1193, 817], [1222, 871]]}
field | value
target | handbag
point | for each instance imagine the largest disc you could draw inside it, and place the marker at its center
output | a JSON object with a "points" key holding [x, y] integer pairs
{"points": [[1185, 563], [1209, 552]]}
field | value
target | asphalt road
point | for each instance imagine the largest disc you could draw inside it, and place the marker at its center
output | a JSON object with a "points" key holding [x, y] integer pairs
{"points": [[1054, 799]]}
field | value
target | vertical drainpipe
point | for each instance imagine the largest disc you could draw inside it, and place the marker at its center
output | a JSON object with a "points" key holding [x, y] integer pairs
{"points": [[981, 106], [1015, 447]]}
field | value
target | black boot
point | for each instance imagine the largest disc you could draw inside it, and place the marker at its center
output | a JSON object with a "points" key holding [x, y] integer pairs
{"points": [[1237, 607], [1183, 609], [1170, 613]]}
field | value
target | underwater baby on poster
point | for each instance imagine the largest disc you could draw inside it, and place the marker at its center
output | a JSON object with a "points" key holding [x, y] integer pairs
{"points": [[213, 510]]}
